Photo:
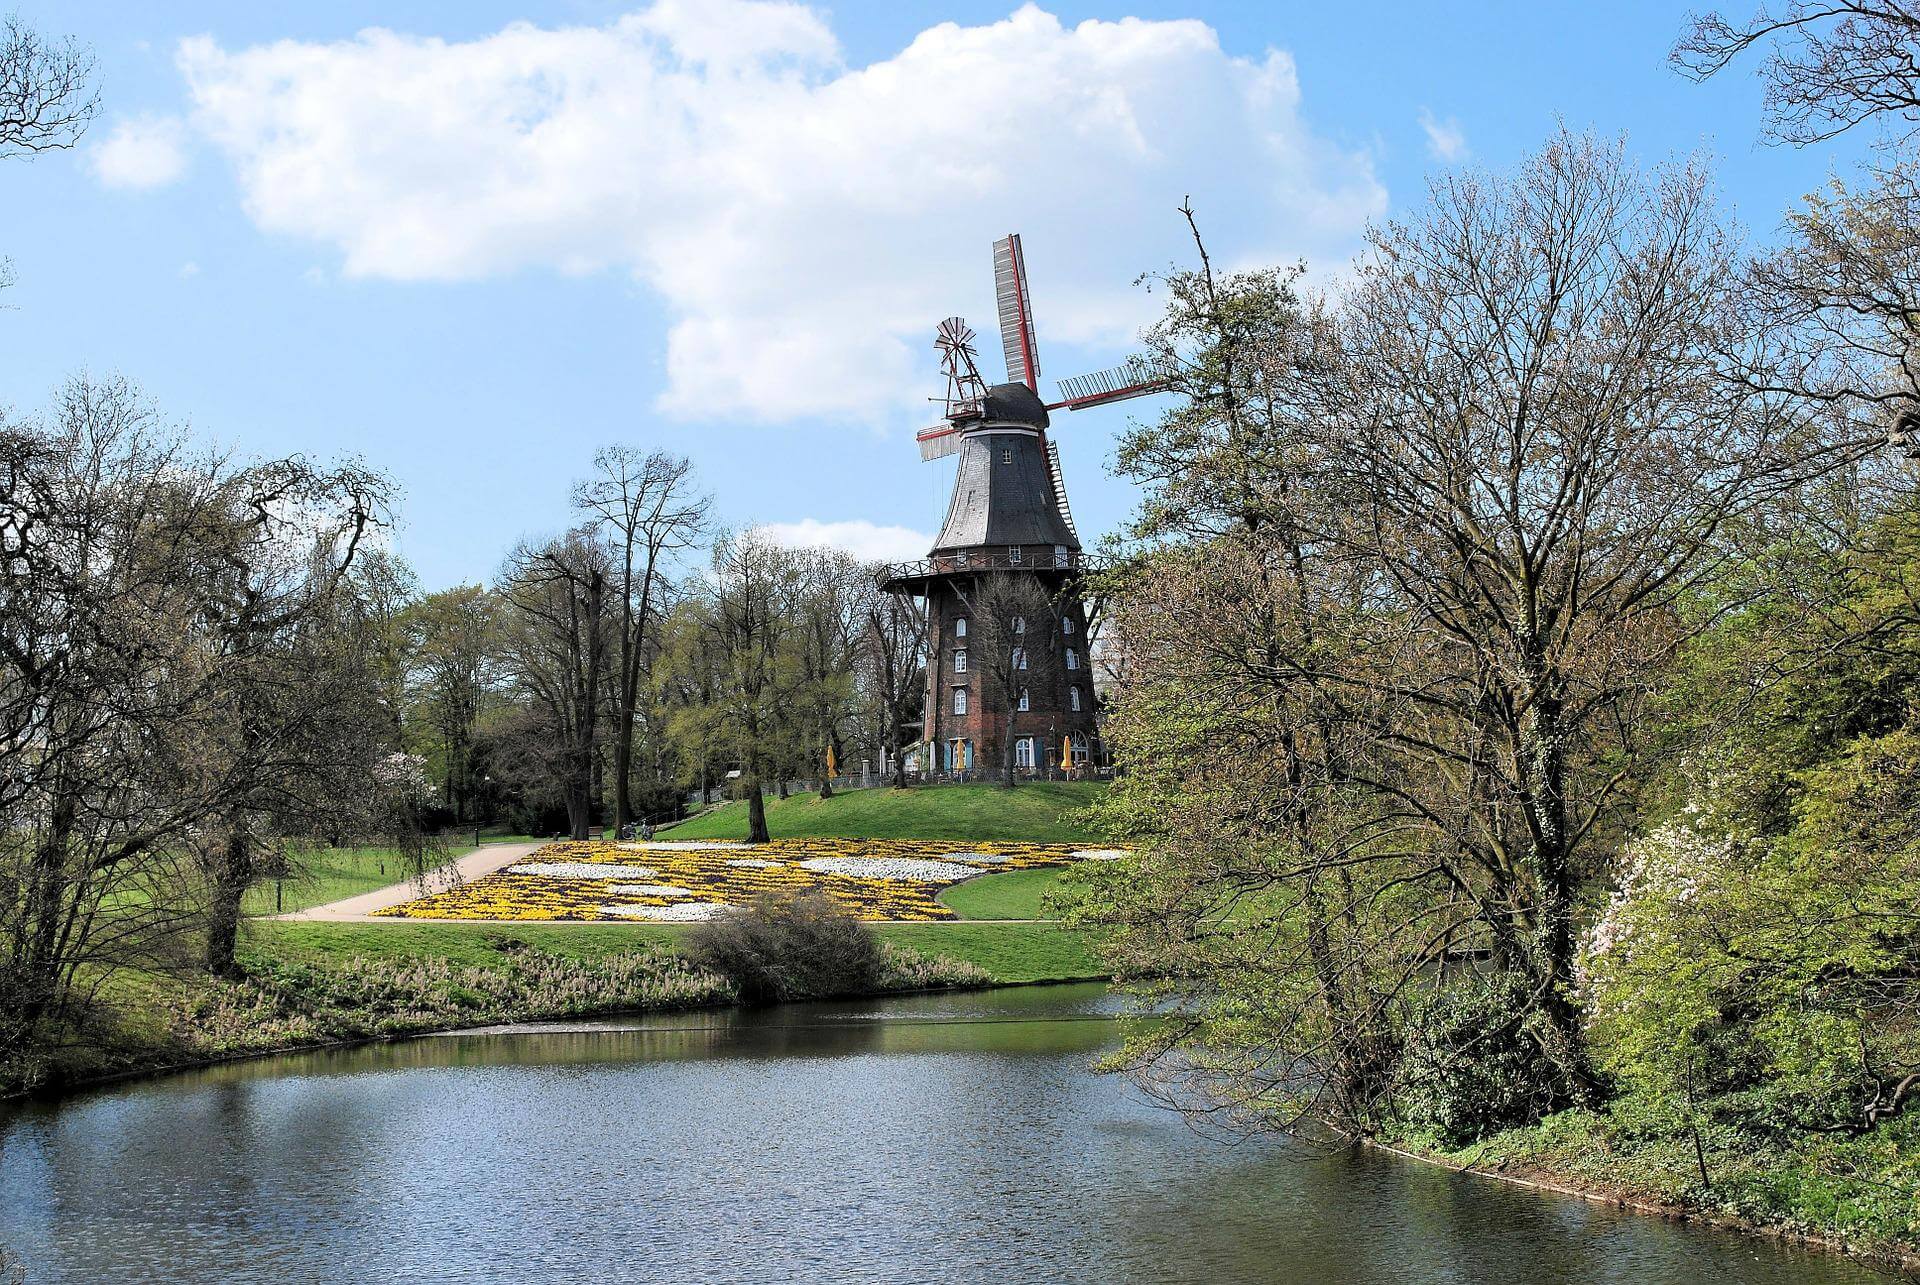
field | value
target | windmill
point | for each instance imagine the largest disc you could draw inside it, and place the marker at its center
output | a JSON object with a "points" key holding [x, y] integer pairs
{"points": [[1007, 523], [1136, 377]]}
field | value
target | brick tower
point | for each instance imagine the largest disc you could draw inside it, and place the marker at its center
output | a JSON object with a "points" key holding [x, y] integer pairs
{"points": [[1007, 648], [1006, 625]]}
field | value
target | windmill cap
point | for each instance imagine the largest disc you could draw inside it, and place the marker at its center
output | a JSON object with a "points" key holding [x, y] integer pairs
{"points": [[1013, 404]]}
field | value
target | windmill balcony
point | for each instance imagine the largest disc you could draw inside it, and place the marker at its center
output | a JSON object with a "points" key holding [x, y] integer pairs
{"points": [[900, 576]]}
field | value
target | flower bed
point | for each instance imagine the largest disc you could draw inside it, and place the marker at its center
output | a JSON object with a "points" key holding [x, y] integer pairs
{"points": [[878, 879]]}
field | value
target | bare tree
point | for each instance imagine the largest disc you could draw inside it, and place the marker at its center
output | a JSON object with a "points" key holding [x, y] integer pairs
{"points": [[830, 608], [454, 637], [650, 508], [47, 98], [1829, 64], [1488, 490], [893, 648], [169, 681], [559, 637], [749, 619]]}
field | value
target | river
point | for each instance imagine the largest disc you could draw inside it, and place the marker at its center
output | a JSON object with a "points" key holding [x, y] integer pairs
{"points": [[933, 1138]]}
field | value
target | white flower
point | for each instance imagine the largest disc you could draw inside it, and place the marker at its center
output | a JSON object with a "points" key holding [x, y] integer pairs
{"points": [[915, 869], [648, 890], [582, 870], [683, 912]]}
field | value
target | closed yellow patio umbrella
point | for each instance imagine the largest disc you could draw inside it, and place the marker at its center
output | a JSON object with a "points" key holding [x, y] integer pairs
{"points": [[833, 768], [1066, 754]]}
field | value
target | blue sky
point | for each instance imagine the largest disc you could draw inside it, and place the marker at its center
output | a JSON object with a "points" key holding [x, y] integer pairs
{"points": [[474, 249]]}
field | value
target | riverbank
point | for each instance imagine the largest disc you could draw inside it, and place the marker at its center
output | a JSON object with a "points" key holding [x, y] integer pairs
{"points": [[294, 1001], [1854, 1196]]}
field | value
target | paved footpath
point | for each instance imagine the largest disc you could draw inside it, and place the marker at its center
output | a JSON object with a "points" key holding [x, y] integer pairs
{"points": [[360, 909]]}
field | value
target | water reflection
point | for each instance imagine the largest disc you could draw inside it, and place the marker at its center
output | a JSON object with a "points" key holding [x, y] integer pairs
{"points": [[955, 1138]]}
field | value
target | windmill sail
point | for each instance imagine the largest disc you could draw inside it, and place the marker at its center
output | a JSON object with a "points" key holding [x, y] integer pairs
{"points": [[1135, 378], [1016, 312], [938, 443]]}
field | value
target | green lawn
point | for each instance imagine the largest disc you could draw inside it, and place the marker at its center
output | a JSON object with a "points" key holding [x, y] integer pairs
{"points": [[328, 874], [1040, 952], [1009, 952], [1018, 894], [1039, 811], [471, 944]]}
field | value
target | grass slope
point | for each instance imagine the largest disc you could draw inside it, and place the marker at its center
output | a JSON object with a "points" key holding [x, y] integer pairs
{"points": [[1040, 811], [1017, 894], [1011, 953]]}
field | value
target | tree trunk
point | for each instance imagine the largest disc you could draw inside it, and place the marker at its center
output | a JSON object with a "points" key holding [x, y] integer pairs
{"points": [[232, 874], [756, 814], [622, 773]]}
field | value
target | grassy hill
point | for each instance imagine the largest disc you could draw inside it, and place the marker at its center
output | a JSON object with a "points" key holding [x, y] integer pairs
{"points": [[1040, 811]]}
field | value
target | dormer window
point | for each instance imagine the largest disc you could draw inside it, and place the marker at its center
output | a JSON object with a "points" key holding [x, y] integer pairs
{"points": [[1059, 555], [1006, 455], [1013, 554]]}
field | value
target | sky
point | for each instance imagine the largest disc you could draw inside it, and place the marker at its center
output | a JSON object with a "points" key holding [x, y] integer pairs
{"points": [[469, 243]]}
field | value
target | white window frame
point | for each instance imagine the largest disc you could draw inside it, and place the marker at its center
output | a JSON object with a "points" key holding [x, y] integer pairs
{"points": [[1059, 555], [1019, 624], [1073, 697], [1023, 752], [960, 627], [1013, 554], [1073, 659], [1026, 701], [1006, 455], [1019, 657], [959, 702], [959, 660], [1066, 625]]}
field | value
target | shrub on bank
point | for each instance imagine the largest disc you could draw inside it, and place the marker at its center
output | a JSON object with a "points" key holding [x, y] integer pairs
{"points": [[790, 946], [287, 1003], [1472, 1062]]}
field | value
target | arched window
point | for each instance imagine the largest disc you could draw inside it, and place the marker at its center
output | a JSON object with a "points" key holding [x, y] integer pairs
{"points": [[960, 627], [959, 660], [1073, 699], [1023, 752], [959, 700], [1066, 625], [1019, 657], [1073, 659], [1025, 704], [1019, 624]]}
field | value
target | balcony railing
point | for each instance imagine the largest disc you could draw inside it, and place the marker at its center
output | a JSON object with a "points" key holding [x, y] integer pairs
{"points": [[1030, 559]]}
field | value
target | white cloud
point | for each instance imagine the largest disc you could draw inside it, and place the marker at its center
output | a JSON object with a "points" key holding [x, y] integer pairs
{"points": [[1446, 141], [804, 222], [141, 152], [866, 541], [189, 269]]}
